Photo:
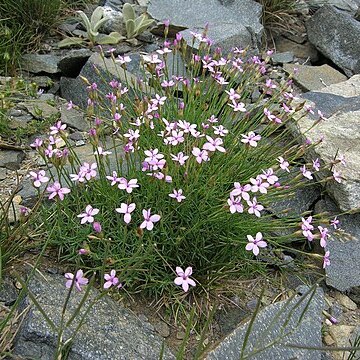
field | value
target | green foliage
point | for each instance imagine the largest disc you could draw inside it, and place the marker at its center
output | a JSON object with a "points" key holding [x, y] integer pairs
{"points": [[92, 27], [200, 231], [278, 14], [10, 93], [135, 25], [23, 24]]}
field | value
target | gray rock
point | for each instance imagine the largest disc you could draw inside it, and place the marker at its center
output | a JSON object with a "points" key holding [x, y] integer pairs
{"points": [[109, 332], [346, 5], [28, 193], [20, 122], [38, 63], [41, 81], [3, 174], [314, 77], [39, 109], [282, 58], [232, 24], [340, 134], [302, 51], [298, 202], [75, 89], [268, 327], [334, 34], [72, 62], [11, 159], [74, 118], [330, 104], [115, 21], [344, 246], [8, 292]]}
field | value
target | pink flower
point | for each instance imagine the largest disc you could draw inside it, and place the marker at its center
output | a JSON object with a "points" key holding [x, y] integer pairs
{"points": [[88, 171], [335, 223], [79, 280], [177, 137], [37, 143], [316, 164], [241, 190], [58, 127], [69, 105], [220, 130], [254, 207], [324, 233], [235, 204], [259, 185], [341, 158], [39, 178], [149, 220], [269, 176], [128, 185], [307, 228], [97, 227], [180, 158], [88, 215], [183, 278], [101, 151], [238, 106], [186, 126], [255, 244], [233, 95], [132, 135], [114, 178], [123, 60], [251, 138], [337, 176], [111, 280], [283, 163], [326, 260], [213, 144], [177, 194], [57, 190], [306, 173], [201, 155], [126, 210]]}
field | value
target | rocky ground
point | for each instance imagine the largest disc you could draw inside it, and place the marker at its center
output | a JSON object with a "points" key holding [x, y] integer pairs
{"points": [[323, 46]]}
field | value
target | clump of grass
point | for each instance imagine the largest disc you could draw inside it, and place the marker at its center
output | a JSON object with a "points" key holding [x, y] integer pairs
{"points": [[171, 196], [11, 92], [278, 14], [23, 24]]}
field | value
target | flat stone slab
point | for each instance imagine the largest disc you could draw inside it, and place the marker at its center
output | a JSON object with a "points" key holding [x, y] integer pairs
{"points": [[76, 89], [299, 202], [341, 136], [336, 34], [231, 23], [268, 327], [109, 332], [11, 159], [344, 246], [314, 77], [38, 63]]}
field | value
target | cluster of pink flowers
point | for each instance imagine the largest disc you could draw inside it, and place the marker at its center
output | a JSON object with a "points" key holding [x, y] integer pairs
{"points": [[180, 143], [242, 192]]}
